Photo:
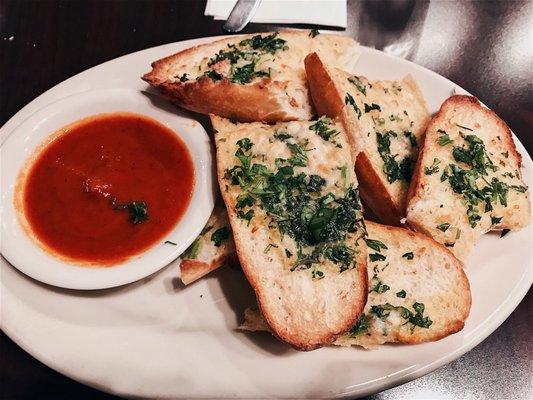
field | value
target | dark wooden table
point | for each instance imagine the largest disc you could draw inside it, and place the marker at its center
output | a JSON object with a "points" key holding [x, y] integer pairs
{"points": [[483, 46]]}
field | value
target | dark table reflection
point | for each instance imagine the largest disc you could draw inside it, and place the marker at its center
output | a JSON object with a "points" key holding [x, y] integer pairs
{"points": [[484, 46]]}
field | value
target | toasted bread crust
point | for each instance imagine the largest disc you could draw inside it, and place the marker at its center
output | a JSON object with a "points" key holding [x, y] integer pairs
{"points": [[327, 99], [260, 101], [304, 341]]}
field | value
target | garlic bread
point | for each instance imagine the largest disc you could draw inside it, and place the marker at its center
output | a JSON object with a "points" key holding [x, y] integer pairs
{"points": [[296, 218], [211, 250], [249, 77]]}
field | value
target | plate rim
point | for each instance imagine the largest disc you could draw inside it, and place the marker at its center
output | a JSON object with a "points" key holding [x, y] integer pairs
{"points": [[364, 389]]}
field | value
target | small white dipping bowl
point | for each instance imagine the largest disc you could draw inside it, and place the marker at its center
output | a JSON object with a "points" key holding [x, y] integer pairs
{"points": [[26, 255]]}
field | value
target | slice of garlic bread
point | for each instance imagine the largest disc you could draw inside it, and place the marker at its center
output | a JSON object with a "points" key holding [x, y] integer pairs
{"points": [[249, 77], [467, 180], [296, 218], [418, 291], [386, 121], [211, 250]]}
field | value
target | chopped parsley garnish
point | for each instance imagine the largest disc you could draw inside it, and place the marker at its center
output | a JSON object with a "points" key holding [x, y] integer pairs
{"points": [[521, 189], [215, 76], [433, 168], [246, 73], [411, 137], [247, 216], [504, 232], [392, 169], [375, 244], [323, 128], [376, 257], [282, 136], [245, 144], [319, 222], [184, 78], [220, 235], [299, 156], [268, 44], [443, 227], [416, 319], [495, 220], [401, 294], [358, 84], [379, 288], [313, 33], [444, 139], [315, 183], [138, 210], [192, 250], [360, 327], [245, 56], [408, 256], [350, 100], [465, 182], [371, 107]]}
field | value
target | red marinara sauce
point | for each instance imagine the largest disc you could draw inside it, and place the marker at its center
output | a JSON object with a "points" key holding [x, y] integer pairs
{"points": [[107, 187]]}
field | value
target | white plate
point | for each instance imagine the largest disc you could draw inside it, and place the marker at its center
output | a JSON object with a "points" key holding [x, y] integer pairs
{"points": [[157, 338], [23, 252]]}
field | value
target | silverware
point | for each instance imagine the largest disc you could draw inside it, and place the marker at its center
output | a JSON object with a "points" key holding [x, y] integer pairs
{"points": [[241, 14]]}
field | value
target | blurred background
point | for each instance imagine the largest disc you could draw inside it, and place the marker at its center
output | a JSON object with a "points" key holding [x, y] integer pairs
{"points": [[484, 46]]}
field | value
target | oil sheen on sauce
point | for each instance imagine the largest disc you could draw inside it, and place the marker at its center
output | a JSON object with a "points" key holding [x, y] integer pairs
{"points": [[107, 187]]}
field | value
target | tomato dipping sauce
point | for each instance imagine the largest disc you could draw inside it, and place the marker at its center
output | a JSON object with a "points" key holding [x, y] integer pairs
{"points": [[107, 187]]}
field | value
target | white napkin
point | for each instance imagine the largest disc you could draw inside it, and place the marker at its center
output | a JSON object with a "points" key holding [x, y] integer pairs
{"points": [[315, 12]]}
